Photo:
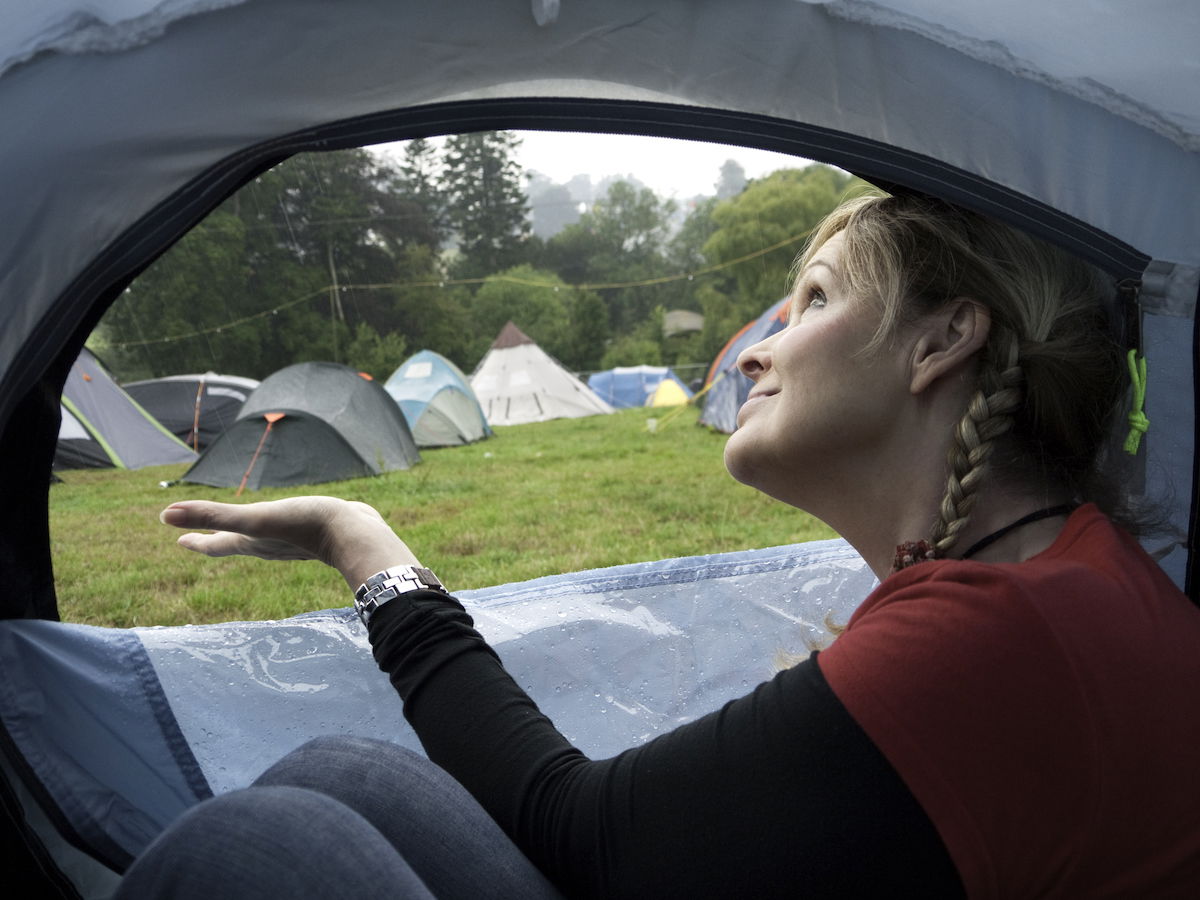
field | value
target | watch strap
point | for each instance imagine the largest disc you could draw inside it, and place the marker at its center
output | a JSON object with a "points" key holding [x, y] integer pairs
{"points": [[390, 583]]}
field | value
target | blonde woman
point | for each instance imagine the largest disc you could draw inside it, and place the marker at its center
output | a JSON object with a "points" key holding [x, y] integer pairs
{"points": [[1014, 711]]}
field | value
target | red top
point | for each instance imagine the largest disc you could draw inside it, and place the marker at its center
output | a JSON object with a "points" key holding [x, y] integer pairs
{"points": [[1045, 714]]}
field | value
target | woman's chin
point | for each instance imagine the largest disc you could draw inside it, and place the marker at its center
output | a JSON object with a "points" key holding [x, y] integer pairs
{"points": [[737, 459]]}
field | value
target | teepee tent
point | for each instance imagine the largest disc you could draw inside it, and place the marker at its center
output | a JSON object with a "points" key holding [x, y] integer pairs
{"points": [[103, 426], [725, 387], [518, 382], [306, 424], [437, 401], [197, 409], [626, 387]]}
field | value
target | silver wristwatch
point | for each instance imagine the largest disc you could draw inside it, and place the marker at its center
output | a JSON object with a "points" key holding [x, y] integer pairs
{"points": [[390, 584]]}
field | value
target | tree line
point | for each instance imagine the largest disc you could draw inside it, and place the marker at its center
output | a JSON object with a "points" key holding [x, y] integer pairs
{"points": [[350, 257]]}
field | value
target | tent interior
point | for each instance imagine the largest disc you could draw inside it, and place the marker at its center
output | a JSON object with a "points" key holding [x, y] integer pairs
{"points": [[161, 111]]}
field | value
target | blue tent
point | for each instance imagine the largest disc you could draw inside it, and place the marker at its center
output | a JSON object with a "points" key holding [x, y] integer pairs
{"points": [[626, 387], [725, 386], [437, 401]]}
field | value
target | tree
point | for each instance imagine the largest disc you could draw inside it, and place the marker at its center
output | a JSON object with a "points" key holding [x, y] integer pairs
{"points": [[376, 354], [418, 180], [534, 300], [551, 206], [620, 239], [276, 275], [732, 181], [485, 200], [786, 204]]}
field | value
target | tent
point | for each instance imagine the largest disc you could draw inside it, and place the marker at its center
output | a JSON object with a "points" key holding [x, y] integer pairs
{"points": [[725, 387], [195, 408], [437, 401], [518, 382], [670, 392], [306, 424], [1077, 120], [626, 387], [103, 426]]}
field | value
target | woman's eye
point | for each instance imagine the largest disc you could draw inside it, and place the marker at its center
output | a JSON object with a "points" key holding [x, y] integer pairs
{"points": [[816, 298]]}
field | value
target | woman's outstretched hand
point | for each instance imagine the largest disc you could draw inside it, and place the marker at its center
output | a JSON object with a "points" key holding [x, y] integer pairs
{"points": [[350, 536]]}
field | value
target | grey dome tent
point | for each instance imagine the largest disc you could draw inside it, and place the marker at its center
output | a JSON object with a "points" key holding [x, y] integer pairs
{"points": [[437, 401], [103, 426], [1077, 120], [306, 424], [195, 408]]}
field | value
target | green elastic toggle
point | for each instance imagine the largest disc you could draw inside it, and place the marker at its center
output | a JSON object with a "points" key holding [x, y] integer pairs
{"points": [[1138, 423]]}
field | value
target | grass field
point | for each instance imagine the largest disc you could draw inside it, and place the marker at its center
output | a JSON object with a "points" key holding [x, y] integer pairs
{"points": [[534, 500]]}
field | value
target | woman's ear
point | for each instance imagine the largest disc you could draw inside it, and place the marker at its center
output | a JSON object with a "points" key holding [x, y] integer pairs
{"points": [[947, 340]]}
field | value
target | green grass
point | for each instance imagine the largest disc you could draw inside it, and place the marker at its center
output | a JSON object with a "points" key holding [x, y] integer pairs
{"points": [[534, 500]]}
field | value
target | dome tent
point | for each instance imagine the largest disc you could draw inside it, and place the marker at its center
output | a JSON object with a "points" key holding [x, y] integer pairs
{"points": [[1093, 143], [195, 408], [626, 387], [103, 426], [725, 387], [306, 424], [437, 401], [518, 382]]}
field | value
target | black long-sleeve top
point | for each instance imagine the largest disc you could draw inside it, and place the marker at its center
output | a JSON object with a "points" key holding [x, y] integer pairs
{"points": [[778, 793]]}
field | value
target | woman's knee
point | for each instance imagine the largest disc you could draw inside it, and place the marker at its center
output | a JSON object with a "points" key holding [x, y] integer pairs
{"points": [[341, 756], [270, 841]]}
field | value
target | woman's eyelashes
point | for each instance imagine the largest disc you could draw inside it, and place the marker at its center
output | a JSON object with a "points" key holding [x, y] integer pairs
{"points": [[806, 299]]}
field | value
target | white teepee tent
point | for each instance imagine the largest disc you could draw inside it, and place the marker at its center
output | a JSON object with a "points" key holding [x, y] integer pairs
{"points": [[518, 382]]}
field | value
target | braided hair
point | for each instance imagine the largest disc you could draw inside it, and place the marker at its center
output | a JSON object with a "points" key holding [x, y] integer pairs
{"points": [[1050, 377]]}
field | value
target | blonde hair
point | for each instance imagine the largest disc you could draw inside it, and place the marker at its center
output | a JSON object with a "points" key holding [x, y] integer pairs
{"points": [[1050, 377]]}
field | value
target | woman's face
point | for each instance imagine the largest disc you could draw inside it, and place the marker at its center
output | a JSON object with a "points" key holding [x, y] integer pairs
{"points": [[820, 412]]}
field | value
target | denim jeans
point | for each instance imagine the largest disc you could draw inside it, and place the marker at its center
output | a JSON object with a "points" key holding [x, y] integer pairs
{"points": [[338, 817]]}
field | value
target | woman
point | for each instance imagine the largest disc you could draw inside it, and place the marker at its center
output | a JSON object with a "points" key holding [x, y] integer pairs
{"points": [[1013, 712]]}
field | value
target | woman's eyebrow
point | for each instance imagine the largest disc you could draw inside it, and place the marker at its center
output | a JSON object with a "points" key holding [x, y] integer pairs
{"points": [[819, 262]]}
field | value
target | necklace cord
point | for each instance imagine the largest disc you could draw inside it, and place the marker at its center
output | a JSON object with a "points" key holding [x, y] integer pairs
{"points": [[1036, 516]]}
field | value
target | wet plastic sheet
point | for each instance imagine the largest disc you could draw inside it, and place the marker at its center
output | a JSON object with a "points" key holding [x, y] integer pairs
{"points": [[613, 656]]}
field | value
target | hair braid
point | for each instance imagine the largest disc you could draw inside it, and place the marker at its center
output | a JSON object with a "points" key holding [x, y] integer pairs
{"points": [[990, 414]]}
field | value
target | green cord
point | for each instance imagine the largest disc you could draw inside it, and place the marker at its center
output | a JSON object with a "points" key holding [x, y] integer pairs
{"points": [[1138, 423]]}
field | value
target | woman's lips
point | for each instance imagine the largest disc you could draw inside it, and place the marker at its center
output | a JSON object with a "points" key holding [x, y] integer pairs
{"points": [[752, 401]]}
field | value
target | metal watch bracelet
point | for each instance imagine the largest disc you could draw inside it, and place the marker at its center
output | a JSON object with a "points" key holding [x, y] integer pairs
{"points": [[389, 584]]}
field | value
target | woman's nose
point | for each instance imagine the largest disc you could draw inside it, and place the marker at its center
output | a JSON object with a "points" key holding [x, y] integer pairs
{"points": [[755, 360]]}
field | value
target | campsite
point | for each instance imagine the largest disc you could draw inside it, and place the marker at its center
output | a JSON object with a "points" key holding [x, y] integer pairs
{"points": [[535, 500]]}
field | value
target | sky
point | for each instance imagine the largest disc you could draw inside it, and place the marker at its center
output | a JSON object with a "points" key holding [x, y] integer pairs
{"points": [[672, 168]]}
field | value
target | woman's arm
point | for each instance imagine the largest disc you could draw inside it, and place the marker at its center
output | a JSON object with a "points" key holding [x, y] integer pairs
{"points": [[778, 793]]}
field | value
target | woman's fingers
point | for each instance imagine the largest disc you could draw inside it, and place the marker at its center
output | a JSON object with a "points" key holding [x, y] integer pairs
{"points": [[228, 543], [289, 518]]}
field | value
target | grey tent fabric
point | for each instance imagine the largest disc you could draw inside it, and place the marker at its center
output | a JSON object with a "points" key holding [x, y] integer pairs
{"points": [[104, 427], [307, 424], [195, 408], [1078, 120]]}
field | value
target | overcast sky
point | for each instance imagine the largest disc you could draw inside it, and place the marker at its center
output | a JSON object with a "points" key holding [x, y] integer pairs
{"points": [[673, 168]]}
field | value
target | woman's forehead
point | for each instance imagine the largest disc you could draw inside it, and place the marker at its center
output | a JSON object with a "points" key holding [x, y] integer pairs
{"points": [[827, 255]]}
